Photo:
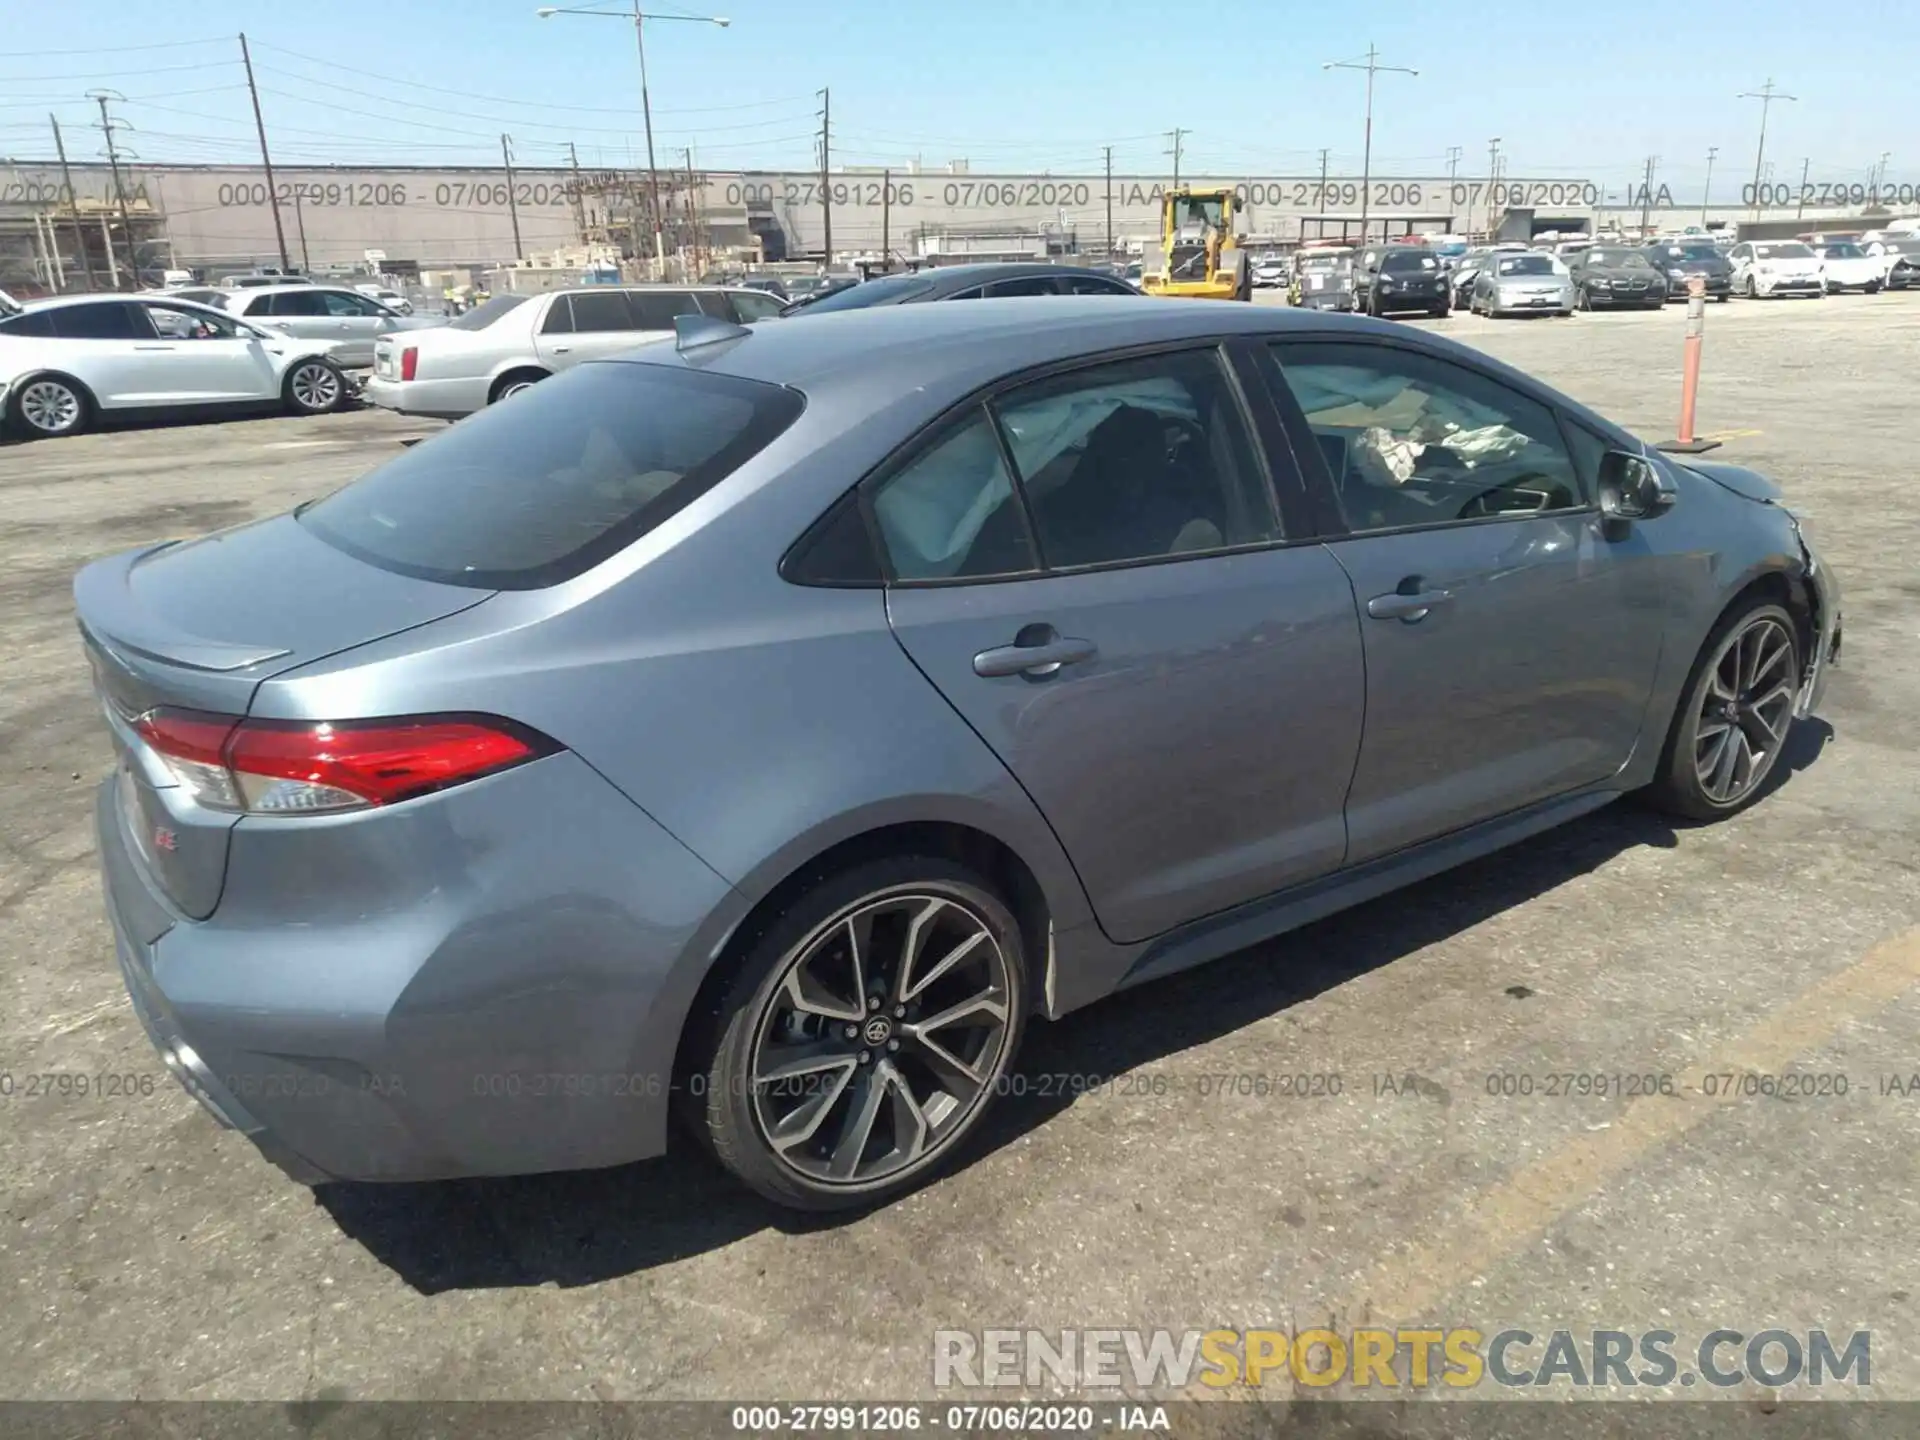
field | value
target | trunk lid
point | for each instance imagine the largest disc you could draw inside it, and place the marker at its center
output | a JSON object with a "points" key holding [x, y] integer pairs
{"points": [[198, 625]]}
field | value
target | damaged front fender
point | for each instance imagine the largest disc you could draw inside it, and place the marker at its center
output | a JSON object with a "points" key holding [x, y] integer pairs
{"points": [[1823, 588]]}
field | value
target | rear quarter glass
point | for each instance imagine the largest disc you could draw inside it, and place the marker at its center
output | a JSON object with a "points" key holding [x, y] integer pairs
{"points": [[531, 493]]}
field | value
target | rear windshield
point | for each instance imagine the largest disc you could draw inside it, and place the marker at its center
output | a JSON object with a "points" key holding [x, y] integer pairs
{"points": [[1523, 265], [486, 312], [536, 490], [872, 292]]}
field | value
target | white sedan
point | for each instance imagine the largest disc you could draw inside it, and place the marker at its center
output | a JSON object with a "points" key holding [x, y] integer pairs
{"points": [[66, 364]]}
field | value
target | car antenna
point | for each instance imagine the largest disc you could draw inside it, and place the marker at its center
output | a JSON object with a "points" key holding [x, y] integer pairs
{"points": [[692, 332]]}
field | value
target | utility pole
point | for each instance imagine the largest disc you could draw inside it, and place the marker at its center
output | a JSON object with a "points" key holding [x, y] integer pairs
{"points": [[300, 221], [1371, 64], [1109, 159], [107, 128], [1707, 189], [826, 195], [886, 216], [1766, 95], [1178, 136], [579, 196], [1879, 177], [1646, 196], [513, 210], [1493, 182], [73, 201], [266, 160], [1800, 210]]}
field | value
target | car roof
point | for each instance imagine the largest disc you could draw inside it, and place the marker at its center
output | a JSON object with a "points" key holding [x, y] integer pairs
{"points": [[62, 302], [950, 349]]}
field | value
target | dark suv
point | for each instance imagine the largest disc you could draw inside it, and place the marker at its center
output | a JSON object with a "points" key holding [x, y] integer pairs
{"points": [[1402, 277]]}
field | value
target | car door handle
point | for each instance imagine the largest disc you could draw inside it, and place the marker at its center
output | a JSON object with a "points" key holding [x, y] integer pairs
{"points": [[153, 347], [1410, 606], [1038, 661], [561, 349]]}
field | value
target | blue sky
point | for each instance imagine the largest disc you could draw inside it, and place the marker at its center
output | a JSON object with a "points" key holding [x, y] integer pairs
{"points": [[1579, 90]]}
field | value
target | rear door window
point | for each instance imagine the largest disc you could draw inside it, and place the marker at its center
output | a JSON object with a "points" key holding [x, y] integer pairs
{"points": [[655, 309], [1025, 285], [295, 302], [525, 495], [116, 321], [600, 311]]}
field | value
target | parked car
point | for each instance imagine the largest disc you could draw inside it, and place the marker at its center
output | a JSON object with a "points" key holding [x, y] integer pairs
{"points": [[198, 294], [1616, 277], [1681, 258], [808, 288], [512, 342], [1527, 283], [1844, 265], [1466, 266], [1401, 278], [1764, 268], [386, 295], [70, 363], [1269, 272], [1131, 274], [326, 312], [770, 284], [735, 725], [967, 282], [264, 277], [1323, 280], [1899, 257]]}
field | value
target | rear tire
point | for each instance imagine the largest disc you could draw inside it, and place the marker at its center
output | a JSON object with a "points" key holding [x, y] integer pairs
{"points": [[821, 1110], [314, 387], [1734, 716], [50, 407], [512, 383]]}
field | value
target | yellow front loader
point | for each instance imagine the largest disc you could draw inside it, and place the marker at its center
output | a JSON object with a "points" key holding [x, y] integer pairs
{"points": [[1199, 256]]}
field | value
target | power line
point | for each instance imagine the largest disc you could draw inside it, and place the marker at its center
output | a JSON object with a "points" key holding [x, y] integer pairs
{"points": [[529, 104], [113, 49], [116, 74]]}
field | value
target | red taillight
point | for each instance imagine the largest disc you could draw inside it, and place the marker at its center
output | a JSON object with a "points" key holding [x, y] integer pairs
{"points": [[281, 767], [409, 362]]}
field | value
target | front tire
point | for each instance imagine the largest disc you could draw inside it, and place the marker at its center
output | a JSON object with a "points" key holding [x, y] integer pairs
{"points": [[314, 387], [1735, 716], [50, 407], [868, 1029]]}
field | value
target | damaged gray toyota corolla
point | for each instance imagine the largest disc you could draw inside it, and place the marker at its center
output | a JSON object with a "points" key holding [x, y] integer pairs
{"points": [[763, 727]]}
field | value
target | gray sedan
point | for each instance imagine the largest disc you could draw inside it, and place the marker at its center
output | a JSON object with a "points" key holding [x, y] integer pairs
{"points": [[1524, 282], [763, 725]]}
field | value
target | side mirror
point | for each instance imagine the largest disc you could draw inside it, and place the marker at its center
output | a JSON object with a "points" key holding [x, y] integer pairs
{"points": [[1632, 487]]}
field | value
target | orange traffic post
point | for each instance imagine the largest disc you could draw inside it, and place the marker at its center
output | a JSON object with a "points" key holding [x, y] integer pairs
{"points": [[1687, 443]]}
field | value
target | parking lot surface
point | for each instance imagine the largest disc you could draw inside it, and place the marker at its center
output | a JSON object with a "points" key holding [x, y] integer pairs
{"points": [[146, 1253]]}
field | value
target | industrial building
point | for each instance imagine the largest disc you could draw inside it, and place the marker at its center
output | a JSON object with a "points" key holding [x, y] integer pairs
{"points": [[57, 225]]}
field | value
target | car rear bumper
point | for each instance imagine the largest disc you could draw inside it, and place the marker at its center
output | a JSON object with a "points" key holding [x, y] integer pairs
{"points": [[436, 399], [488, 981]]}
